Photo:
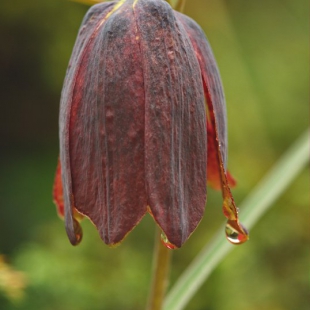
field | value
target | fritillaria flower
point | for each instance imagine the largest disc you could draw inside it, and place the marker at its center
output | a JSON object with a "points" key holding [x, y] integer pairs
{"points": [[142, 125]]}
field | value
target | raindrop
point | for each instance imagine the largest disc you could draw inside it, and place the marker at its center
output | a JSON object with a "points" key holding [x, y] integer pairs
{"points": [[236, 233]]}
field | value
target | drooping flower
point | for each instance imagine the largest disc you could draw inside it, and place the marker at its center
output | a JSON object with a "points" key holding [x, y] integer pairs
{"points": [[142, 125]]}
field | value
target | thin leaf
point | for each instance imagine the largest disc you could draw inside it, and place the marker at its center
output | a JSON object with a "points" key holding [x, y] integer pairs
{"points": [[253, 208]]}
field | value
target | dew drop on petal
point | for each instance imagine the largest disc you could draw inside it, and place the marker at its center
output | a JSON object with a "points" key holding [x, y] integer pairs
{"points": [[236, 233], [166, 242]]}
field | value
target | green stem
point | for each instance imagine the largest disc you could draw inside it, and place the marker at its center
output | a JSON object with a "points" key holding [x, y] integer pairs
{"points": [[161, 266], [257, 204]]}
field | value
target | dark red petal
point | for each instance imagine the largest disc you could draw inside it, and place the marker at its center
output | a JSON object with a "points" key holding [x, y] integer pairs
{"points": [[215, 100], [93, 19], [214, 177], [175, 122], [217, 116], [102, 129], [211, 77]]}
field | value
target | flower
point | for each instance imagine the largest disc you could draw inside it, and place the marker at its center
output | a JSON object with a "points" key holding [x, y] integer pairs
{"points": [[135, 133]]}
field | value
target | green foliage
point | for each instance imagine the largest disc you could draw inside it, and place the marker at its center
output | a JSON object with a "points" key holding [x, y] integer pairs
{"points": [[64, 277]]}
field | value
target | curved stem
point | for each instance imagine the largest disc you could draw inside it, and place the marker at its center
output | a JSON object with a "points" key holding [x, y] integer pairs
{"points": [[161, 266]]}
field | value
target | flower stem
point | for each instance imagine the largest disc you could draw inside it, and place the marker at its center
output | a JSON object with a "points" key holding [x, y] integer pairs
{"points": [[161, 266]]}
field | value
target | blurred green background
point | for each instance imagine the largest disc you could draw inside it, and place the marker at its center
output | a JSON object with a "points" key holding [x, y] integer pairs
{"points": [[262, 51]]}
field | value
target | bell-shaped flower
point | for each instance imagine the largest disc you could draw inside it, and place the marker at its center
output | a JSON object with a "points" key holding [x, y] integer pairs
{"points": [[142, 125]]}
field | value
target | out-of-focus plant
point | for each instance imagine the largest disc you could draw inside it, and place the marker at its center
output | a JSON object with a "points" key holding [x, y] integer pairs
{"points": [[12, 282]]}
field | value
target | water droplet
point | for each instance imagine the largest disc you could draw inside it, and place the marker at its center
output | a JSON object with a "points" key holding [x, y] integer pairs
{"points": [[77, 231], [236, 233], [166, 242]]}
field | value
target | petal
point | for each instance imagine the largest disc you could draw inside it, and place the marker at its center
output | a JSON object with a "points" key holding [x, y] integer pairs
{"points": [[216, 118], [215, 101], [175, 122], [213, 170], [212, 80], [102, 129], [95, 16]]}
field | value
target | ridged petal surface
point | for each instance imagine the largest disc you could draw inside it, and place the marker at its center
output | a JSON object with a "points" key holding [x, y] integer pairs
{"points": [[212, 81], [102, 125], [217, 128], [175, 121]]}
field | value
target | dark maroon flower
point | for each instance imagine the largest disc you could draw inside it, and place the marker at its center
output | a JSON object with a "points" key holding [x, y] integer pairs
{"points": [[142, 105]]}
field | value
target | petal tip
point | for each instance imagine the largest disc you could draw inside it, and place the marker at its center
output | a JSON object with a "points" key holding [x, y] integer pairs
{"points": [[167, 243], [74, 232]]}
